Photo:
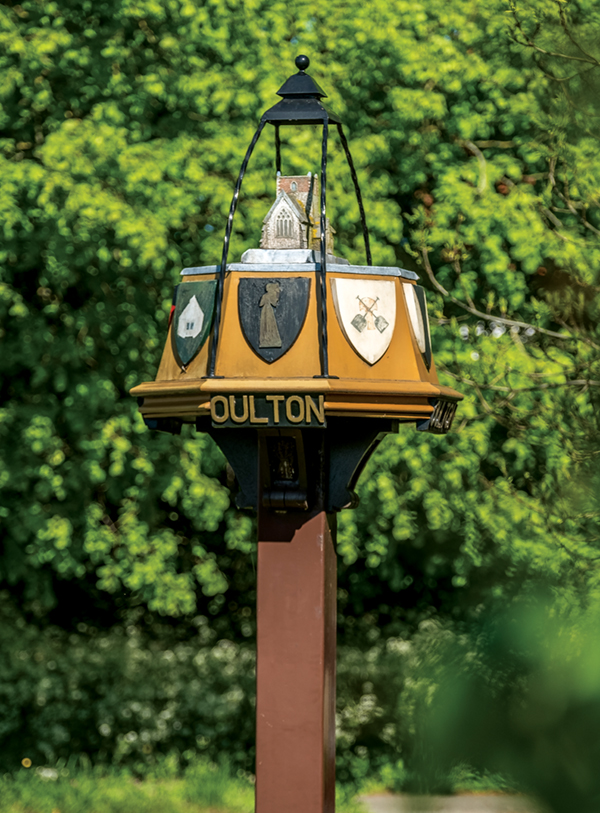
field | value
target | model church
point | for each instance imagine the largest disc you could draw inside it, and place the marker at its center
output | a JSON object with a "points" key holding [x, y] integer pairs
{"points": [[292, 222]]}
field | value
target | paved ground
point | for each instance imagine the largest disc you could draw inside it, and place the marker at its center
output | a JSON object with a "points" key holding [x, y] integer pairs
{"points": [[472, 803]]}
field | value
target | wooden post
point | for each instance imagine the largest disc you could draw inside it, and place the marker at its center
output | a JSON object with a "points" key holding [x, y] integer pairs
{"points": [[296, 641]]}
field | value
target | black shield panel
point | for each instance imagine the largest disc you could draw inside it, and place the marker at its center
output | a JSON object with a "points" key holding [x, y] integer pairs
{"points": [[420, 292], [272, 311]]}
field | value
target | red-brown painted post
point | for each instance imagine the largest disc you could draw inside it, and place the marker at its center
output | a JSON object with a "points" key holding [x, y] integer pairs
{"points": [[295, 708]]}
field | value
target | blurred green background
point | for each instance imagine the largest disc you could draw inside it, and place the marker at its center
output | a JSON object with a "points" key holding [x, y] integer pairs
{"points": [[127, 577]]}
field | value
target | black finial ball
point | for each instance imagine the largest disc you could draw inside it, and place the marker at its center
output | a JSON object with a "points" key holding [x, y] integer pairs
{"points": [[302, 62]]}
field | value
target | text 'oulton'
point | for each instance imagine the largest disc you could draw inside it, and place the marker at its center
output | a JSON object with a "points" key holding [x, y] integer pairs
{"points": [[268, 410]]}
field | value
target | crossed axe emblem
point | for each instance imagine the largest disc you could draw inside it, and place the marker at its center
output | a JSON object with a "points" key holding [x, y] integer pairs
{"points": [[362, 320]]}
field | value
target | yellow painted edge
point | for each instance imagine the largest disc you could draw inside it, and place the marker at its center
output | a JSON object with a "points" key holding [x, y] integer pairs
{"points": [[422, 409], [402, 416], [333, 408], [347, 387], [318, 385], [165, 387], [253, 385]]}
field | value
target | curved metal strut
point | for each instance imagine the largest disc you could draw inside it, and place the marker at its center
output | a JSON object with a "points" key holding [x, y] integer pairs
{"points": [[223, 267], [361, 208]]}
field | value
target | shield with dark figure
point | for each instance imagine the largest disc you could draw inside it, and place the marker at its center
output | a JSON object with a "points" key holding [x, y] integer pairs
{"points": [[272, 312], [192, 319]]}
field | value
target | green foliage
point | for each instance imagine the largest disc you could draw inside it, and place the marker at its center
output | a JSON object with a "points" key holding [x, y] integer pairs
{"points": [[123, 696], [124, 125], [136, 694], [122, 128], [204, 786], [520, 695]]}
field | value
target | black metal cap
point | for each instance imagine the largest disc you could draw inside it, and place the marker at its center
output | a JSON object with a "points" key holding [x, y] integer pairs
{"points": [[301, 84], [300, 102]]}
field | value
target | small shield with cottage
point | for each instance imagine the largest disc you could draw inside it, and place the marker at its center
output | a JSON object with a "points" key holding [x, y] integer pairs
{"points": [[192, 319], [366, 312]]}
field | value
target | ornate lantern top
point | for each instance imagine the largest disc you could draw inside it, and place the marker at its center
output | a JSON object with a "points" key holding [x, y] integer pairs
{"points": [[300, 105], [300, 100], [293, 336]]}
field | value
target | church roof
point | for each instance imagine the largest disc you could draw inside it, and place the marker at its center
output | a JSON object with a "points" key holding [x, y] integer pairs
{"points": [[293, 204]]}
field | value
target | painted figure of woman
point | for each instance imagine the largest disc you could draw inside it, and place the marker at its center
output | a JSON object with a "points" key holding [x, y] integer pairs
{"points": [[269, 332]]}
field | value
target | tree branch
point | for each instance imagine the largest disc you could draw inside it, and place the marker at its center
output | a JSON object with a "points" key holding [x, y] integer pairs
{"points": [[501, 145], [529, 43], [567, 30], [580, 382], [482, 184], [574, 211], [489, 317]]}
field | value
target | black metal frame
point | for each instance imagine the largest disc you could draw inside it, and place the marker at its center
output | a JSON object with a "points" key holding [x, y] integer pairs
{"points": [[300, 105], [227, 238]]}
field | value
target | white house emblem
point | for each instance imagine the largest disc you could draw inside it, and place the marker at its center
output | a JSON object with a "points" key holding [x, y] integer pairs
{"points": [[366, 312], [191, 320]]}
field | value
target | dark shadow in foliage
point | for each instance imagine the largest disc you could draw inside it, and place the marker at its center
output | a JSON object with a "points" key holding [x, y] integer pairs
{"points": [[521, 696]]}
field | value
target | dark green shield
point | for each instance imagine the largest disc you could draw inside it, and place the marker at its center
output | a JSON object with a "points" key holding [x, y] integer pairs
{"points": [[192, 320]]}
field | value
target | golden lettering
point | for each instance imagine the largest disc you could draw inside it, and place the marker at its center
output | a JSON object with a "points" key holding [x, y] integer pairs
{"points": [[253, 418], [299, 409], [294, 399], [319, 411], [219, 399], [275, 399], [244, 416]]}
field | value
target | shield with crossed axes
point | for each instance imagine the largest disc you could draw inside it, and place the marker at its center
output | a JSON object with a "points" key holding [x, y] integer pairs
{"points": [[366, 312]]}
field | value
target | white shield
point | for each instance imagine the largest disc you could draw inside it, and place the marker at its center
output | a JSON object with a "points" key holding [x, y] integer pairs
{"points": [[416, 305], [415, 316], [366, 311]]}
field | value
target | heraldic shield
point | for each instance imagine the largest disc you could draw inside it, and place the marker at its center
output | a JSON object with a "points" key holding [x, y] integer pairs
{"points": [[272, 312], [366, 312], [192, 320], [416, 304]]}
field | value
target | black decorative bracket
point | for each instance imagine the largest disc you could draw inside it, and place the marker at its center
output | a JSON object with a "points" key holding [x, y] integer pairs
{"points": [[300, 469]]}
